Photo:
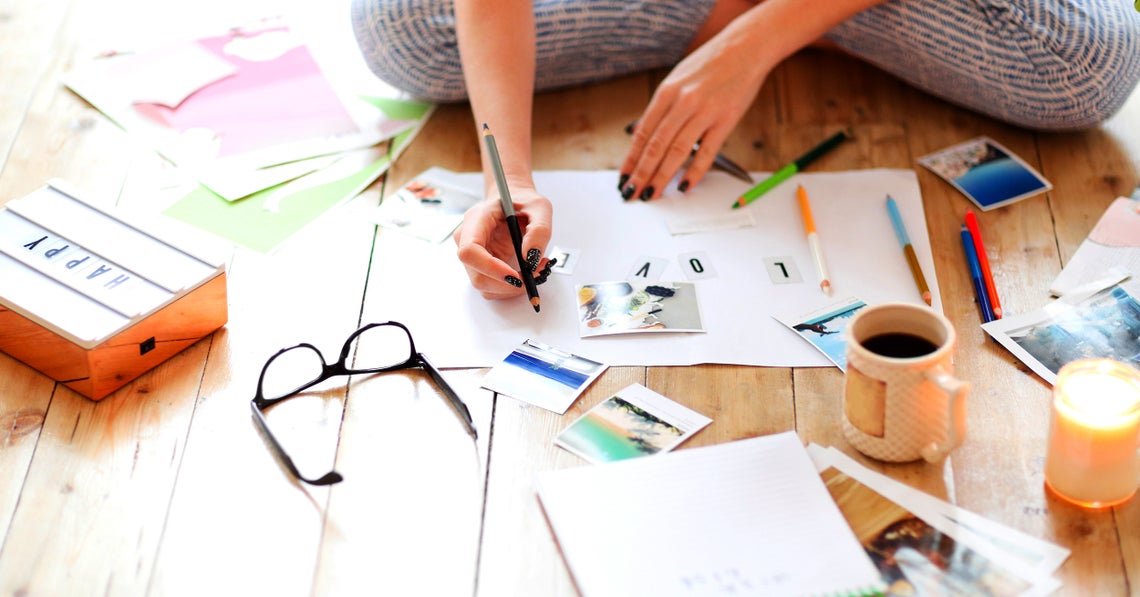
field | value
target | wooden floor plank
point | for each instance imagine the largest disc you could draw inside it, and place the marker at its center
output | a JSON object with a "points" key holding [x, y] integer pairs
{"points": [[166, 488], [230, 485], [106, 517], [28, 42], [23, 408]]}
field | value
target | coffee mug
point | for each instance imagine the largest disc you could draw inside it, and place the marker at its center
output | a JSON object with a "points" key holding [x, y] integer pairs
{"points": [[901, 401]]}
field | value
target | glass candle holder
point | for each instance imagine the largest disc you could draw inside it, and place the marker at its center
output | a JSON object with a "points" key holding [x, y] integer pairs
{"points": [[1094, 434]]}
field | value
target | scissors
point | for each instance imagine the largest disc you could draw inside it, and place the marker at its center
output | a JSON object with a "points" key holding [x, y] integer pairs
{"points": [[720, 162]]}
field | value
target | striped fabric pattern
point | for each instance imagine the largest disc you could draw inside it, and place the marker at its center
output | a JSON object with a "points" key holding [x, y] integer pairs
{"points": [[411, 44], [1045, 64]]}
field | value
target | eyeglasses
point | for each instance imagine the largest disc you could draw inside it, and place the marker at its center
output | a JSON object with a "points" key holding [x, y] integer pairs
{"points": [[376, 348]]}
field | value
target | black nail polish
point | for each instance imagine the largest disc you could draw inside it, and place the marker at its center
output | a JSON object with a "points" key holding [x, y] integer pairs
{"points": [[513, 281], [627, 192], [539, 280], [629, 127], [684, 186], [621, 181], [532, 257], [646, 193]]}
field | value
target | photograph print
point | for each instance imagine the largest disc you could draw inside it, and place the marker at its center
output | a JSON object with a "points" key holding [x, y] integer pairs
{"points": [[826, 328], [627, 307], [425, 207], [913, 557], [634, 422], [543, 376], [987, 173], [1105, 325]]}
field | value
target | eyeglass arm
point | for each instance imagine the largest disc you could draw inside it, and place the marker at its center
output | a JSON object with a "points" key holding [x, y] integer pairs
{"points": [[452, 397], [329, 478]]}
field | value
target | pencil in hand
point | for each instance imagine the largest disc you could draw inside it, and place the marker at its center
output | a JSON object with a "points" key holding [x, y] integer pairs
{"points": [[813, 241], [512, 221]]}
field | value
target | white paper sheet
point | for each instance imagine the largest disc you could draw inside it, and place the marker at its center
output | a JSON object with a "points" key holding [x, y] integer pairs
{"points": [[749, 517], [1113, 243], [430, 291]]}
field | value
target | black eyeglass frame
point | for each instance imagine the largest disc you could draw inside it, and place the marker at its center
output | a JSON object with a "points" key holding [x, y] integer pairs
{"points": [[260, 403]]}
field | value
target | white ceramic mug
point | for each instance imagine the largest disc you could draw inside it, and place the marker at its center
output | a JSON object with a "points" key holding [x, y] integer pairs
{"points": [[901, 401]]}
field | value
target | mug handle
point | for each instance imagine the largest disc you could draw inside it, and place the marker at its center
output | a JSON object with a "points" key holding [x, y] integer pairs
{"points": [[956, 391]]}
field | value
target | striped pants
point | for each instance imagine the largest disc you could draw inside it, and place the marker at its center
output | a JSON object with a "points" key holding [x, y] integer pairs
{"points": [[1044, 64]]}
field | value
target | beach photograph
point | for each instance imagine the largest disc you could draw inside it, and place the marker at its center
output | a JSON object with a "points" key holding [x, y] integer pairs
{"points": [[987, 173], [826, 328], [543, 376], [1106, 325], [633, 422]]}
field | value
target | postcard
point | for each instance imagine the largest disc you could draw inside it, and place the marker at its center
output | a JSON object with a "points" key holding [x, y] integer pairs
{"points": [[1105, 324], [826, 328], [914, 557], [1025, 555], [543, 376], [426, 207], [987, 173], [634, 422], [625, 307]]}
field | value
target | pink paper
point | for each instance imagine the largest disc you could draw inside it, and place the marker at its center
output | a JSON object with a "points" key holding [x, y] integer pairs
{"points": [[267, 103]]}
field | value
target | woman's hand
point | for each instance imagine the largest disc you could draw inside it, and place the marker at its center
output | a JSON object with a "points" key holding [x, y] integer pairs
{"points": [[701, 100], [484, 244]]}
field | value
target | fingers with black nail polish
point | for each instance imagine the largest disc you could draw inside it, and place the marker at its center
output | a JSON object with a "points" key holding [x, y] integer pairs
{"points": [[624, 178], [513, 281], [627, 192], [684, 186], [532, 257], [646, 193]]}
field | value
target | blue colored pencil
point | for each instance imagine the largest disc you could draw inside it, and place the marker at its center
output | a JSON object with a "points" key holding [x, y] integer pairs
{"points": [[976, 275]]}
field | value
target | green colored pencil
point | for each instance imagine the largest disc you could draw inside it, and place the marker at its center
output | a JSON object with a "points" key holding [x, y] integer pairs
{"points": [[787, 171]]}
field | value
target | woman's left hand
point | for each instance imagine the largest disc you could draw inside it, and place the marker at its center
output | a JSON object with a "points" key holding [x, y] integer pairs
{"points": [[701, 100]]}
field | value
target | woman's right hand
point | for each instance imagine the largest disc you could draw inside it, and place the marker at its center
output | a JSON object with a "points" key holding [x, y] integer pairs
{"points": [[483, 242]]}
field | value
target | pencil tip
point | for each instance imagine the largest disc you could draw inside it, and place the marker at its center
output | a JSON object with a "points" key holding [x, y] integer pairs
{"points": [[825, 286], [485, 126], [927, 298], [536, 302]]}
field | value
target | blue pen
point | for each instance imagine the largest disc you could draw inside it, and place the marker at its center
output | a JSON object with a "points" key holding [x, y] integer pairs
{"points": [[976, 275]]}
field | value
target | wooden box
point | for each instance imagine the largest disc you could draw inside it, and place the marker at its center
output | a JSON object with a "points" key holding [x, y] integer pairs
{"points": [[94, 299]]}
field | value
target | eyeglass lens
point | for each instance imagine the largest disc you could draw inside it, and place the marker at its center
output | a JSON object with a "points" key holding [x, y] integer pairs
{"points": [[376, 347]]}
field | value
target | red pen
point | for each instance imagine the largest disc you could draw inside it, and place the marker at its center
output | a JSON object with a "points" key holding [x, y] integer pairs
{"points": [[984, 261]]}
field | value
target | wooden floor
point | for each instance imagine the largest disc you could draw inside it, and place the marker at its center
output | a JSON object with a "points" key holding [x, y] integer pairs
{"points": [[166, 488]]}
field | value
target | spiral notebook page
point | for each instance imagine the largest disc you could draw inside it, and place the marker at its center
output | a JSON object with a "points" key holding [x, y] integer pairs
{"points": [[740, 518]]}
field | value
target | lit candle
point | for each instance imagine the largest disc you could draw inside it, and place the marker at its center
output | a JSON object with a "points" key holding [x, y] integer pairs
{"points": [[1094, 434]]}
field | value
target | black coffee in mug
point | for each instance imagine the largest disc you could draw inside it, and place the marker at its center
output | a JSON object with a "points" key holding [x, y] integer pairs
{"points": [[899, 345]]}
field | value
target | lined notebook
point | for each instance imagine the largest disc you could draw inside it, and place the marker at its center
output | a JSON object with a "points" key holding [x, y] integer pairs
{"points": [[750, 517]]}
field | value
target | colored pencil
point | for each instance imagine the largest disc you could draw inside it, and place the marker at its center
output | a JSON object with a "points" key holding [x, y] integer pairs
{"points": [[908, 250], [787, 171], [984, 261], [813, 240], [512, 221], [976, 274]]}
